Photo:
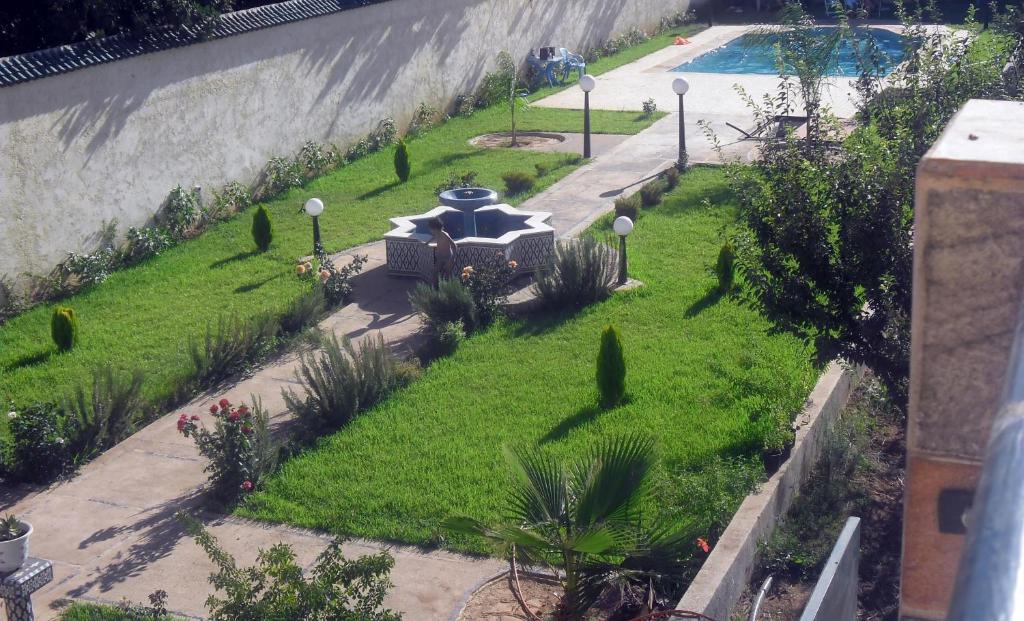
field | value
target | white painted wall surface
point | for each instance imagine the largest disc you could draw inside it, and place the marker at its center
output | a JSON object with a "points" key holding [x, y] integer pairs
{"points": [[110, 141]]}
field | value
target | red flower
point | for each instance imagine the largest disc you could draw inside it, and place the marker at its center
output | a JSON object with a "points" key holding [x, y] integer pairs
{"points": [[182, 422], [195, 417], [247, 430], [703, 545], [247, 486], [243, 409], [234, 417], [213, 409], [224, 403]]}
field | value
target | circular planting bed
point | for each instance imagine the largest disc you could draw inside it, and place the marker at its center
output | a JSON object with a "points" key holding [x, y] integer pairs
{"points": [[524, 140], [495, 601]]}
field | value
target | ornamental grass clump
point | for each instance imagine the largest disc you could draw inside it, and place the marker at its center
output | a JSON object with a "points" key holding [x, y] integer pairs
{"points": [[628, 206], [449, 302], [579, 272], [262, 230], [341, 380], [106, 413], [240, 448], [64, 328], [611, 369], [233, 344], [651, 193]]}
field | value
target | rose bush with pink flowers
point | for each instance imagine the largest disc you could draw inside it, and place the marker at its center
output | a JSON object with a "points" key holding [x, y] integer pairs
{"points": [[239, 447]]}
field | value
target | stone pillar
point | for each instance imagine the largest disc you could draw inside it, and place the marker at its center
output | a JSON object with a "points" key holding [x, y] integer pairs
{"points": [[968, 283]]}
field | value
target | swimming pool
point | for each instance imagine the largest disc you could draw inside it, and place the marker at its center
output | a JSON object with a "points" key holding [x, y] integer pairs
{"points": [[756, 54]]}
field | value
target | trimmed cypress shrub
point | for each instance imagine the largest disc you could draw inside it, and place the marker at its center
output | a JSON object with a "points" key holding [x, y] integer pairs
{"points": [[402, 166], [611, 369], [725, 267], [262, 231], [64, 328]]}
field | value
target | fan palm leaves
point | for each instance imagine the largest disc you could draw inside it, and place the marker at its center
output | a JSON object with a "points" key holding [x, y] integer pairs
{"points": [[584, 518]]}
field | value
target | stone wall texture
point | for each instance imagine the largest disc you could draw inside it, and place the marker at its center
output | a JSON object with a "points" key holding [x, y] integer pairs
{"points": [[109, 142]]}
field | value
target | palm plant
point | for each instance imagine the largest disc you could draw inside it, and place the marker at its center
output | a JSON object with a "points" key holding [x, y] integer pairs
{"points": [[584, 520]]}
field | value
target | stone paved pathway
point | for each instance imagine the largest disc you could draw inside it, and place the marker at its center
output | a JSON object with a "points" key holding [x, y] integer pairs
{"points": [[111, 530]]}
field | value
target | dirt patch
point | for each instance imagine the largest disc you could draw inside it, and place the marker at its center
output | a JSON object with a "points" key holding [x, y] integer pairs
{"points": [[496, 602], [524, 140], [874, 493]]}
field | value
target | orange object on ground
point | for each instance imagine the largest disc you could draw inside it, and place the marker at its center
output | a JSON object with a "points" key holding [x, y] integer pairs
{"points": [[682, 41]]}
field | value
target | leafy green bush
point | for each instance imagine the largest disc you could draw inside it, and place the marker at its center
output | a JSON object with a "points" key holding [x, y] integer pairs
{"points": [[448, 337], [233, 198], [182, 212], [146, 242], [628, 206], [518, 182], [83, 270], [423, 119], [240, 448], [454, 181], [578, 272], [279, 588], [281, 174], [316, 159], [234, 344], [262, 230], [725, 267], [402, 166], [340, 381], [337, 282], [107, 413], [650, 107], [39, 450], [383, 135], [449, 302], [611, 369], [64, 328], [488, 282]]}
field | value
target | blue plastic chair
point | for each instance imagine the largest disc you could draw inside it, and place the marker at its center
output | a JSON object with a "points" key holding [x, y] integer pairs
{"points": [[542, 68], [571, 61]]}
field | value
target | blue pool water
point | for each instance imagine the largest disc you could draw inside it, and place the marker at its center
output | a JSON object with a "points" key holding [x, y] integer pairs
{"points": [[745, 54]]}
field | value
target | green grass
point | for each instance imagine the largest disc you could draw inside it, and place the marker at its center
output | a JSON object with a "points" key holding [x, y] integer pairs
{"points": [[97, 612], [698, 366], [143, 317]]}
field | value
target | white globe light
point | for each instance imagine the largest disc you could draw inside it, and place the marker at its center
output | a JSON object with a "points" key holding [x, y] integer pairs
{"points": [[587, 83], [680, 86], [314, 207], [623, 226]]}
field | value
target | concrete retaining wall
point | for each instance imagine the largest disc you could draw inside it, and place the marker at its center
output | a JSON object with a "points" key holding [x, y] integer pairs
{"points": [[726, 573], [110, 141]]}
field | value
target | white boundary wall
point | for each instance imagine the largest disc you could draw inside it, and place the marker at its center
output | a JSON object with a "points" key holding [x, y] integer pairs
{"points": [[110, 141]]}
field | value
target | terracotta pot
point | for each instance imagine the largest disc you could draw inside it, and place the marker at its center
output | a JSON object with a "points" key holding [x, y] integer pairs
{"points": [[14, 552]]}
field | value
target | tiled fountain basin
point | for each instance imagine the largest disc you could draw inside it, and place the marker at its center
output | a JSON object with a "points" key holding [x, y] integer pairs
{"points": [[521, 236]]}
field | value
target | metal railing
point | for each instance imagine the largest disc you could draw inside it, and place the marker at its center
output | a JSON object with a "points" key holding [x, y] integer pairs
{"points": [[990, 578]]}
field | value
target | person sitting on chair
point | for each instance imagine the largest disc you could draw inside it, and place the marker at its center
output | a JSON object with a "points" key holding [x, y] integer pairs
{"points": [[444, 250]]}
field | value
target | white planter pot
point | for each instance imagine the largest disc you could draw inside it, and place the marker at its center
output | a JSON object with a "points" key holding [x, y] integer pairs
{"points": [[14, 552]]}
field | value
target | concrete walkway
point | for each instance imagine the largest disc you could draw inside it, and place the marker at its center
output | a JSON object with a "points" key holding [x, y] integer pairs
{"points": [[111, 530]]}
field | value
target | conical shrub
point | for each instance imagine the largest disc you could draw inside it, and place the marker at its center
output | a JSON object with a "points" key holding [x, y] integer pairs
{"points": [[64, 328], [262, 230], [402, 166], [611, 369]]}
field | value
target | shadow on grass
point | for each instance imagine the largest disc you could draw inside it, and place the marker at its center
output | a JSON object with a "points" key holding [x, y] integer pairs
{"points": [[252, 286], [582, 416], [241, 256], [542, 322], [382, 189], [709, 299], [451, 158], [30, 360]]}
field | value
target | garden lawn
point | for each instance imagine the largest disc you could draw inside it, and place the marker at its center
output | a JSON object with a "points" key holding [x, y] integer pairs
{"points": [[96, 612], [144, 317], [699, 366]]}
